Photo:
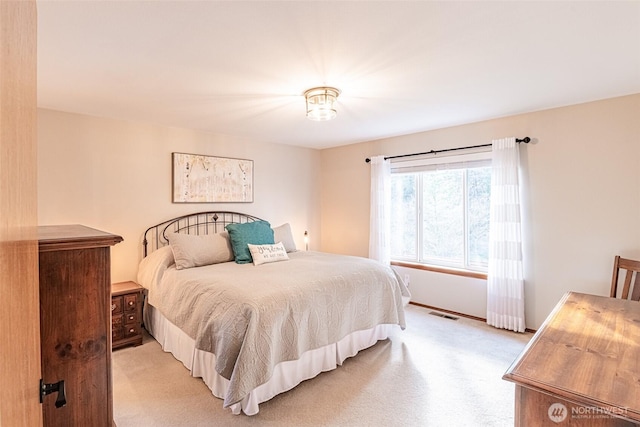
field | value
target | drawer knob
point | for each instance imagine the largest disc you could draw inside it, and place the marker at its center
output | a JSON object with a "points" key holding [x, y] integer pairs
{"points": [[132, 330], [113, 307], [131, 303]]}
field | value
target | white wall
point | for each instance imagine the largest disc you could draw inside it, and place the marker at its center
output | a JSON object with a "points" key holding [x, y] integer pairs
{"points": [[582, 177], [115, 175]]}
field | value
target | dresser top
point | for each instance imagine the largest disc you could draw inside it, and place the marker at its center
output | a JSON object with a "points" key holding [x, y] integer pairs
{"points": [[75, 236], [587, 351]]}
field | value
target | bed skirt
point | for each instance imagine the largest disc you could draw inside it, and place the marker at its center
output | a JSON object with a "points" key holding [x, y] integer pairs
{"points": [[286, 375]]}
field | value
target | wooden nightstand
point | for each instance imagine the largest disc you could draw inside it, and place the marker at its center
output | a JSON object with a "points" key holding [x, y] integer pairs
{"points": [[126, 314]]}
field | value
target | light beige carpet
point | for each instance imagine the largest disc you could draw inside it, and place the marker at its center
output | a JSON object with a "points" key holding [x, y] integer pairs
{"points": [[437, 372]]}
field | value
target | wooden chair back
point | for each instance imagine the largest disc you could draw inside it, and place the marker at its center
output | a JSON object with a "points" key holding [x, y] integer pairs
{"points": [[633, 276]]}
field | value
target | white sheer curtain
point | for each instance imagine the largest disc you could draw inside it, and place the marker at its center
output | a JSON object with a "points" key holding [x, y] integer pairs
{"points": [[380, 220], [505, 283]]}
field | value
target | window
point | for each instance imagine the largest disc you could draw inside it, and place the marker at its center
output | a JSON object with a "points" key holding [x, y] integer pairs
{"points": [[440, 212]]}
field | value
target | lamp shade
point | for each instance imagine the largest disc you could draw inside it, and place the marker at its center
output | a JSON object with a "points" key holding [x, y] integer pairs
{"points": [[321, 103]]}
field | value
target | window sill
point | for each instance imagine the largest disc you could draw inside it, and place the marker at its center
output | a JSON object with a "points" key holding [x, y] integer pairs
{"points": [[439, 269]]}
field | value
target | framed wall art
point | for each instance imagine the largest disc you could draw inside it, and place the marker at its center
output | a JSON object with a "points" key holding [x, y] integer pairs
{"points": [[208, 179]]}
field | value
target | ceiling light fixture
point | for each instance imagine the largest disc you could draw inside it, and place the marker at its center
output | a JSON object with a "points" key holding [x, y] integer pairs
{"points": [[321, 103]]}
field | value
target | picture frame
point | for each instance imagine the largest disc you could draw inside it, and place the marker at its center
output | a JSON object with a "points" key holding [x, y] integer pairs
{"points": [[198, 178]]}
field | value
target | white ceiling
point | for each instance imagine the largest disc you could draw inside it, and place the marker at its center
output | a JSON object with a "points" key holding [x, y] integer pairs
{"points": [[240, 68]]}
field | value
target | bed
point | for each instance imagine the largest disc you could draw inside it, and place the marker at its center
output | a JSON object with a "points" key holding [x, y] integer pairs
{"points": [[233, 299]]}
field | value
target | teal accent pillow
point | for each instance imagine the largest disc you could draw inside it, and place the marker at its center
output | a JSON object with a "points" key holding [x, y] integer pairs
{"points": [[240, 235]]}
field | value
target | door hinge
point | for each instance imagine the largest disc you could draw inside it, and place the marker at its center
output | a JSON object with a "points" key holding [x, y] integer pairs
{"points": [[58, 387]]}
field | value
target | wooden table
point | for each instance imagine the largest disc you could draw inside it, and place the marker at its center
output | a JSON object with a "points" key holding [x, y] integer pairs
{"points": [[582, 367]]}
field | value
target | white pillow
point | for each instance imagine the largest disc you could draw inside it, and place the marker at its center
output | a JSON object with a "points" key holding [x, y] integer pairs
{"points": [[263, 254], [190, 250], [283, 234], [152, 267]]}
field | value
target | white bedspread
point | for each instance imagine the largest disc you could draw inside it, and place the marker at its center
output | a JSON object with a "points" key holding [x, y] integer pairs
{"points": [[254, 317]]}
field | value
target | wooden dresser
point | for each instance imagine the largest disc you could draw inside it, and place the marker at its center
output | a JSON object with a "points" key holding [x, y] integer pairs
{"points": [[126, 314], [75, 324], [582, 367]]}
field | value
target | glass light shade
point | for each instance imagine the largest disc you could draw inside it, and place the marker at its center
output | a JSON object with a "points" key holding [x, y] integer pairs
{"points": [[321, 103]]}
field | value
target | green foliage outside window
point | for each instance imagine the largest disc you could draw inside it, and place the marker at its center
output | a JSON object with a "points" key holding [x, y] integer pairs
{"points": [[451, 207]]}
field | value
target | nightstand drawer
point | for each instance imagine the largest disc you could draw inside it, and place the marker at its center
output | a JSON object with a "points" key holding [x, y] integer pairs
{"points": [[131, 302], [131, 331], [131, 318], [117, 334], [116, 305], [117, 320]]}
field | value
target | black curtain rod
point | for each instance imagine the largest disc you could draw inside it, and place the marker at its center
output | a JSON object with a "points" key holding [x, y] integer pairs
{"points": [[526, 140]]}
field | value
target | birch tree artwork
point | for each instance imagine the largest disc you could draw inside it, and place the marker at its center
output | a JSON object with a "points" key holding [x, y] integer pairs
{"points": [[208, 179]]}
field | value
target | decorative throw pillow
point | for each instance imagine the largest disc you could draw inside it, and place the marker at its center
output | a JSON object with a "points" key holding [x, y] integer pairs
{"points": [[263, 254], [241, 235], [190, 250], [283, 234]]}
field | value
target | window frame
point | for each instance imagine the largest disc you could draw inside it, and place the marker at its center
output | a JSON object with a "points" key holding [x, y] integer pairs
{"points": [[422, 165]]}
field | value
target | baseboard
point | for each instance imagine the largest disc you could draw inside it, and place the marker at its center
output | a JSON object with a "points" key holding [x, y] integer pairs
{"points": [[468, 316]]}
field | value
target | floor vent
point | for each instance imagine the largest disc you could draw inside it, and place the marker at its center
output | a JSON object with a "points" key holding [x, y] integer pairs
{"points": [[445, 316]]}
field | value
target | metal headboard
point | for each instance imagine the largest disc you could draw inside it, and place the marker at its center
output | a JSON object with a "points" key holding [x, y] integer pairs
{"points": [[199, 223]]}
